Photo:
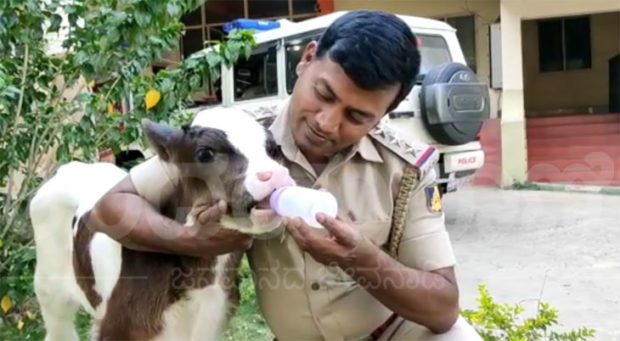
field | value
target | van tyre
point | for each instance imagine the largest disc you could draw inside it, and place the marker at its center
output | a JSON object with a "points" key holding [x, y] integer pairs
{"points": [[456, 132]]}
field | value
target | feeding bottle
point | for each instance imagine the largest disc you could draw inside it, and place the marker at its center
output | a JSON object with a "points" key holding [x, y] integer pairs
{"points": [[303, 202]]}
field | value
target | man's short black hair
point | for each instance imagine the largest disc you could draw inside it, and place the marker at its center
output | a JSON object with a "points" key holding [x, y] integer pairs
{"points": [[376, 50]]}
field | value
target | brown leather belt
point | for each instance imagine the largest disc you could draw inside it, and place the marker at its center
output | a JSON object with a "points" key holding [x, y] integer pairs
{"points": [[381, 329]]}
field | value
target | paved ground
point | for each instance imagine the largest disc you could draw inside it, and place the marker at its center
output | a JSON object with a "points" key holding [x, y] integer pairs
{"points": [[561, 247]]}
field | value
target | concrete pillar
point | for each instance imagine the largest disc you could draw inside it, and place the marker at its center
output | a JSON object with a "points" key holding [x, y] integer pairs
{"points": [[514, 147]]}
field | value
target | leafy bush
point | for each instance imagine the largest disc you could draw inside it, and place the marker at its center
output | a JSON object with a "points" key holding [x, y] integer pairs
{"points": [[62, 107], [248, 323], [502, 322]]}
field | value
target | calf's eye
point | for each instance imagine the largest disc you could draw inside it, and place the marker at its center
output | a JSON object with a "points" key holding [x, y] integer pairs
{"points": [[204, 155]]}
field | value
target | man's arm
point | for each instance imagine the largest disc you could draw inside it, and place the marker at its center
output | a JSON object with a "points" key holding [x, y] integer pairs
{"points": [[131, 220], [429, 298]]}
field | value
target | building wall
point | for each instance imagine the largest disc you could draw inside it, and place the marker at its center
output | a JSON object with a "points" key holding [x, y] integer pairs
{"points": [[572, 90], [537, 9]]}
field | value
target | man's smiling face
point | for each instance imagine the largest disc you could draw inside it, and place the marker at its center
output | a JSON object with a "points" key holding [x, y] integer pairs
{"points": [[329, 112]]}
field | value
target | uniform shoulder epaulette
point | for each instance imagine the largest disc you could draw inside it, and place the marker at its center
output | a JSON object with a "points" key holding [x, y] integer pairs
{"points": [[420, 155]]}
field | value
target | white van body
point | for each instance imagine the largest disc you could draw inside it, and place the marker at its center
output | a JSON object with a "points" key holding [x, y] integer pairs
{"points": [[279, 50]]}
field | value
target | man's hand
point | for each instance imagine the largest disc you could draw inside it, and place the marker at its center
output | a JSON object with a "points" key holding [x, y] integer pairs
{"points": [[210, 239], [434, 305], [125, 216], [344, 245]]}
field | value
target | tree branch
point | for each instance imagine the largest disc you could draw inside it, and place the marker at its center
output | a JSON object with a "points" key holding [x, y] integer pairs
{"points": [[23, 85]]}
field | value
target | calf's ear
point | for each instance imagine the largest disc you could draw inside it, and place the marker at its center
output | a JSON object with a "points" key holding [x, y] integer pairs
{"points": [[164, 139]]}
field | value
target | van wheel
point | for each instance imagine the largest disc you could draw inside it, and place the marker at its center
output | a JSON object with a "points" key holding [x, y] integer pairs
{"points": [[448, 122]]}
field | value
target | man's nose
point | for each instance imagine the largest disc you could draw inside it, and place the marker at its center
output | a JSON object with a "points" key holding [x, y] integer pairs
{"points": [[328, 121], [276, 178]]}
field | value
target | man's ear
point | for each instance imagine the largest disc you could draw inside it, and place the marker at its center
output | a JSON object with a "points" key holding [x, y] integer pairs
{"points": [[162, 138], [307, 57]]}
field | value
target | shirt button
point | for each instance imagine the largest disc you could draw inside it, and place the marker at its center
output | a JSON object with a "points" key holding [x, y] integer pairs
{"points": [[315, 286]]}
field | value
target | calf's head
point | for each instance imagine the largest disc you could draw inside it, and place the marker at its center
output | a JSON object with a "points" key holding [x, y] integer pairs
{"points": [[225, 154]]}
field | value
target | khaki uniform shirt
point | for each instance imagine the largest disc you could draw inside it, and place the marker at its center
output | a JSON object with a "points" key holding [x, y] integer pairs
{"points": [[302, 299]]}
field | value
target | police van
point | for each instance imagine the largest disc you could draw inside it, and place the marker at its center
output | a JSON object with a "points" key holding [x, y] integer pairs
{"points": [[446, 107]]}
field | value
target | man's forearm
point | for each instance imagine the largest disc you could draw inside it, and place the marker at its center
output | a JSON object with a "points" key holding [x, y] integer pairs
{"points": [[137, 225], [423, 297]]}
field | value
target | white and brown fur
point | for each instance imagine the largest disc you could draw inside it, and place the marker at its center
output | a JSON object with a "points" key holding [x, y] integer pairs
{"points": [[134, 295]]}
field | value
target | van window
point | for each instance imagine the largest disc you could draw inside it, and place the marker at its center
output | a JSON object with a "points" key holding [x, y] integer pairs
{"points": [[433, 51], [258, 76], [294, 49]]}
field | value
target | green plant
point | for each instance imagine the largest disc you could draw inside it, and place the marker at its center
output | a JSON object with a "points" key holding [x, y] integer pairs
{"points": [[248, 323], [51, 111], [526, 186], [503, 322]]}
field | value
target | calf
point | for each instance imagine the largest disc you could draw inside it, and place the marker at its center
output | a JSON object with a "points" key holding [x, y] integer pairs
{"points": [[136, 295]]}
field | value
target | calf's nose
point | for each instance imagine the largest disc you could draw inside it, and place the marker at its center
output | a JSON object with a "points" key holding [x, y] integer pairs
{"points": [[276, 178], [264, 176]]}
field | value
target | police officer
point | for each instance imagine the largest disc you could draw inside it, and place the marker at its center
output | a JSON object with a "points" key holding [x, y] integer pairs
{"points": [[384, 269]]}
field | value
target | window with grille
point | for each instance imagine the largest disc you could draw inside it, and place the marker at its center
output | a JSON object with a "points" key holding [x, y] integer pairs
{"points": [[205, 24]]}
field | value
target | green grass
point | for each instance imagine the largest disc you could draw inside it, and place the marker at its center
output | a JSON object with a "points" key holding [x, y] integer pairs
{"points": [[527, 186], [247, 324]]}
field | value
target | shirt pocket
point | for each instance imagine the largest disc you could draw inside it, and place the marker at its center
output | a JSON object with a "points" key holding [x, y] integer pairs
{"points": [[378, 231]]}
